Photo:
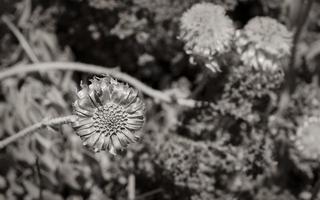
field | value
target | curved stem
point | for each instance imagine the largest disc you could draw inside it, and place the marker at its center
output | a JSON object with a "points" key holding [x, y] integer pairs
{"points": [[150, 193], [37, 126], [93, 69], [290, 84], [303, 16]]}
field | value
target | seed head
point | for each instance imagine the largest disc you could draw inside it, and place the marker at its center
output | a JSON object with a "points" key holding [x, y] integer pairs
{"points": [[207, 32], [308, 138], [109, 113], [264, 44]]}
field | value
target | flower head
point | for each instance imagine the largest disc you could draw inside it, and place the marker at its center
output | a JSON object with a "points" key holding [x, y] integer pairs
{"points": [[264, 43], [308, 138], [206, 31], [109, 113]]}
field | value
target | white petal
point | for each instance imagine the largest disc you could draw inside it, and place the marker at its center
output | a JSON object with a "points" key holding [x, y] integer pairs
{"points": [[134, 124], [93, 139], [106, 142], [86, 132], [129, 135], [115, 142], [82, 122], [123, 139], [100, 143]]}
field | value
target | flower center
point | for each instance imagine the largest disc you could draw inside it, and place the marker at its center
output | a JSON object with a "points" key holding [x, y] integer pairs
{"points": [[109, 119]]}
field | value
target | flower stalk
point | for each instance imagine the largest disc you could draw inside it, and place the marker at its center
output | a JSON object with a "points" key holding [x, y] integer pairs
{"points": [[98, 70], [33, 128]]}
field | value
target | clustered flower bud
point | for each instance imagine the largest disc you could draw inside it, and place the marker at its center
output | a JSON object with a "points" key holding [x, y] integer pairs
{"points": [[308, 138], [207, 32], [109, 113], [264, 44]]}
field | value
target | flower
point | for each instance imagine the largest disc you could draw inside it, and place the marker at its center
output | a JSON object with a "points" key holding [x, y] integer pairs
{"points": [[264, 44], [109, 113], [308, 138], [207, 32]]}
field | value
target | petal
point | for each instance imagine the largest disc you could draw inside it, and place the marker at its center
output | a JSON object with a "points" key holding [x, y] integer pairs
{"points": [[112, 150], [134, 123], [106, 93], [95, 84], [94, 98], [83, 127], [134, 126], [82, 112], [132, 96], [106, 142], [118, 93], [115, 142], [126, 93], [100, 143], [137, 105], [83, 92], [84, 138], [123, 139], [86, 103], [86, 132], [129, 135], [138, 114], [82, 122], [113, 81], [93, 139]]}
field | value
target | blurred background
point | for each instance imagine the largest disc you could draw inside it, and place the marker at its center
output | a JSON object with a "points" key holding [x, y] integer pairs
{"points": [[241, 150]]}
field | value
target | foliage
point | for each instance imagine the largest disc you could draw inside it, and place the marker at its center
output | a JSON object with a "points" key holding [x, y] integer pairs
{"points": [[238, 142]]}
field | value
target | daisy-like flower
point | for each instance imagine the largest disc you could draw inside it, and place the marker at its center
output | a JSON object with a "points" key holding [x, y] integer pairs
{"points": [[109, 113], [264, 44], [207, 32], [308, 138]]}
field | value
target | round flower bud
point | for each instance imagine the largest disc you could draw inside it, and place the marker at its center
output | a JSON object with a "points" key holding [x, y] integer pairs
{"points": [[264, 44], [207, 32], [308, 138], [109, 113]]}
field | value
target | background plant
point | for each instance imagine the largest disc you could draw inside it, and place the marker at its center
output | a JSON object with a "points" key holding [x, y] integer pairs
{"points": [[235, 142]]}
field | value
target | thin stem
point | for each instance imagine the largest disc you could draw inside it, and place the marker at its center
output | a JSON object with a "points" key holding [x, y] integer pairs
{"points": [[35, 127], [39, 178], [150, 193], [290, 73], [23, 42], [94, 69], [303, 16]]}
